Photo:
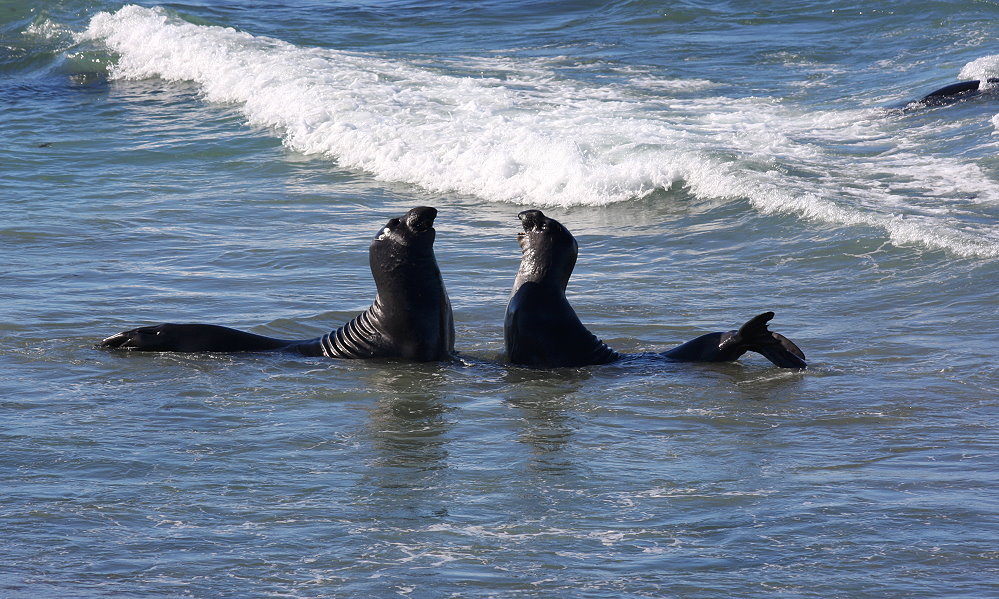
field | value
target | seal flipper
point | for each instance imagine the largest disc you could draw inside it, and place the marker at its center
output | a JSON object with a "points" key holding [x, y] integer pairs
{"points": [[727, 347], [191, 338], [755, 336]]}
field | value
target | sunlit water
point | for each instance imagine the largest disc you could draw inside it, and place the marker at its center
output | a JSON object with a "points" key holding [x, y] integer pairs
{"points": [[229, 163]]}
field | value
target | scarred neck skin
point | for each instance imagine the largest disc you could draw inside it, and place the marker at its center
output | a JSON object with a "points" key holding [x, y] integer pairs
{"points": [[549, 252]]}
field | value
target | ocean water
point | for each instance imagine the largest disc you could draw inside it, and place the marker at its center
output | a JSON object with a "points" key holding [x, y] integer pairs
{"points": [[229, 162]]}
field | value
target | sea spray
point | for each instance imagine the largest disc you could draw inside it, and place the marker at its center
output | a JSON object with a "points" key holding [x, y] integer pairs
{"points": [[552, 141], [983, 69]]}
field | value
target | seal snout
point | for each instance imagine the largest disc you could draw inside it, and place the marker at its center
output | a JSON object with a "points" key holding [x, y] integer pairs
{"points": [[532, 219], [421, 218]]}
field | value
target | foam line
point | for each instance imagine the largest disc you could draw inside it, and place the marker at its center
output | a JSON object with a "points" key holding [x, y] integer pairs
{"points": [[550, 141]]}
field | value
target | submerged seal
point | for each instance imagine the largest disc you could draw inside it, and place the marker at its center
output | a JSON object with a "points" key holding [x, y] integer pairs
{"points": [[410, 318], [542, 330], [956, 92]]}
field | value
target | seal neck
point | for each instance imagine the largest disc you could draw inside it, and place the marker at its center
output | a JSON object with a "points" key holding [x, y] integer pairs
{"points": [[411, 281], [545, 268]]}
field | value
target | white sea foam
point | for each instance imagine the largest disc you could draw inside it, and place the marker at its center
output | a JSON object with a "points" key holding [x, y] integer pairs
{"points": [[531, 136], [47, 29], [982, 69]]}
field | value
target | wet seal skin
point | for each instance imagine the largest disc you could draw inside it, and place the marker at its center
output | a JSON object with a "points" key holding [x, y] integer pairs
{"points": [[410, 317], [542, 330], [956, 92]]}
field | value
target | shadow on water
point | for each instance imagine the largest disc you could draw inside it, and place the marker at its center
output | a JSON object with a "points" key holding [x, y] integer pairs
{"points": [[408, 434], [546, 401], [408, 423]]}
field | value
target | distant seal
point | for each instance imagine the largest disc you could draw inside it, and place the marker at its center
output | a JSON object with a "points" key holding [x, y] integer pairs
{"points": [[542, 330], [410, 317], [955, 92]]}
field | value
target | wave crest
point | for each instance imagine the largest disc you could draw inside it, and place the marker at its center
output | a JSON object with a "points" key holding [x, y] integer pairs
{"points": [[551, 141]]}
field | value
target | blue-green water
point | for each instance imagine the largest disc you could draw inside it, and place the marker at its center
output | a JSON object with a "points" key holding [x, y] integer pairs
{"points": [[228, 162]]}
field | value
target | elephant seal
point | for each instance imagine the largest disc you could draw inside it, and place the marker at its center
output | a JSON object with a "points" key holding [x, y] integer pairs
{"points": [[955, 92], [410, 317], [542, 330]]}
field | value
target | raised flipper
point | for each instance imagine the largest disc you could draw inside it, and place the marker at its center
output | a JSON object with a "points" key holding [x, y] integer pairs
{"points": [[752, 336], [755, 336]]}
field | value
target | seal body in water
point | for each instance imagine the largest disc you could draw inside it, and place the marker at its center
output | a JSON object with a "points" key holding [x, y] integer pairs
{"points": [[410, 317], [542, 330], [956, 92]]}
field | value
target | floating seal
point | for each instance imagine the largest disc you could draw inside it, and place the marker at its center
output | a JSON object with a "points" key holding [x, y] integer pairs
{"points": [[410, 318], [542, 330], [955, 92]]}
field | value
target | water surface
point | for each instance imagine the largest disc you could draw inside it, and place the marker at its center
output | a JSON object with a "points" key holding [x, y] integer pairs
{"points": [[229, 162]]}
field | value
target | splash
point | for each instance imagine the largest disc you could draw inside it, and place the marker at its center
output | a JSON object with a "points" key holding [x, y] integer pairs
{"points": [[48, 30], [545, 140], [983, 69]]}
